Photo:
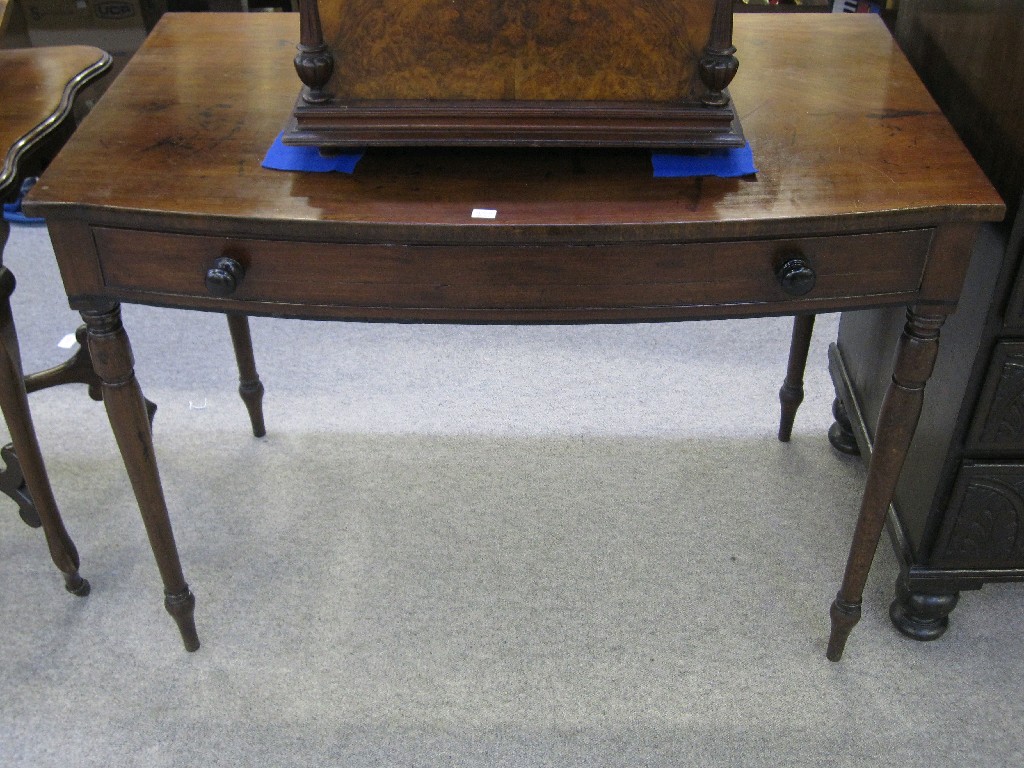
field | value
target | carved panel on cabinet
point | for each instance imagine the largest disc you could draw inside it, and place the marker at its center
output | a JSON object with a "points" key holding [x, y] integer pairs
{"points": [[985, 522], [998, 425]]}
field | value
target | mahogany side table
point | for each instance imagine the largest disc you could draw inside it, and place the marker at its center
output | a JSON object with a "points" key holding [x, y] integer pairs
{"points": [[864, 197], [38, 88]]}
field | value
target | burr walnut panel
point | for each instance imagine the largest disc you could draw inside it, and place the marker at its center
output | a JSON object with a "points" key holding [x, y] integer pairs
{"points": [[593, 50]]}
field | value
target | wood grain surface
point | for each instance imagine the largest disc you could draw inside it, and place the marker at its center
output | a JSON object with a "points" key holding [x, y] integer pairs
{"points": [[514, 49], [854, 145], [36, 91]]}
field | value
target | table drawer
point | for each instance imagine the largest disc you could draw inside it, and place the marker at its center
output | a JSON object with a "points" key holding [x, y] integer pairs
{"points": [[513, 277]]}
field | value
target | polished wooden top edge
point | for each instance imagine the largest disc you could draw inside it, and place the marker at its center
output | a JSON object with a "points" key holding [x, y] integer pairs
{"points": [[375, 204], [101, 64], [492, 233]]}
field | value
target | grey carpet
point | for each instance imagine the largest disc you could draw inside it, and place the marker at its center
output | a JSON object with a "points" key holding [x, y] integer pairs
{"points": [[459, 546]]}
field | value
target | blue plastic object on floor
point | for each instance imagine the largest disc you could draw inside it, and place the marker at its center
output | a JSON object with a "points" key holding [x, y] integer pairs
{"points": [[726, 163], [13, 212]]}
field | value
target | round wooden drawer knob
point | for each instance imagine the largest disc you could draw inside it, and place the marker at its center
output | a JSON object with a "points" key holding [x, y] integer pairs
{"points": [[224, 277], [795, 275]]}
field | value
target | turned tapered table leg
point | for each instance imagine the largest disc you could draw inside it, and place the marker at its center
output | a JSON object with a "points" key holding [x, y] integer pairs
{"points": [[249, 385], [126, 408], [792, 392], [901, 409], [75, 370], [14, 403]]}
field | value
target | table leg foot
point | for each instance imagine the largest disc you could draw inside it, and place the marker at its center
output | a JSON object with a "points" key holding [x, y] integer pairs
{"points": [[181, 606], [76, 585], [845, 616], [790, 399], [250, 388], [792, 392], [252, 395]]}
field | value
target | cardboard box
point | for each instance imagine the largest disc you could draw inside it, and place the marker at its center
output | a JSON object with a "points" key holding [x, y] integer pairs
{"points": [[116, 26]]}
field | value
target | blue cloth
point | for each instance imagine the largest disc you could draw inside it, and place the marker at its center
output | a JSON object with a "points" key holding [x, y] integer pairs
{"points": [[718, 162], [726, 163], [281, 157], [12, 210]]}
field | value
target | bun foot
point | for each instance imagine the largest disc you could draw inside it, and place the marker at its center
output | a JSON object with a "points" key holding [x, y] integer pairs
{"points": [[919, 615], [840, 434]]}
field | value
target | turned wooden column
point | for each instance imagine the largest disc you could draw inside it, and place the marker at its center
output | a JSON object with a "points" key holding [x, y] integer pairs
{"points": [[792, 392], [14, 403], [126, 408], [718, 63], [250, 388], [314, 62], [901, 409]]}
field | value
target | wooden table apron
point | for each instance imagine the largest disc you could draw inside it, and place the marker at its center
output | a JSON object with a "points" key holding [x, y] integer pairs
{"points": [[860, 177]]}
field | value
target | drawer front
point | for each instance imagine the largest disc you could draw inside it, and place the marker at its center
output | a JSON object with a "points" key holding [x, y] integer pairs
{"points": [[997, 427], [143, 265], [984, 522]]}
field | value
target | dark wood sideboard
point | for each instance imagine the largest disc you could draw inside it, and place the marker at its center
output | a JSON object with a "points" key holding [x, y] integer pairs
{"points": [[957, 520]]}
